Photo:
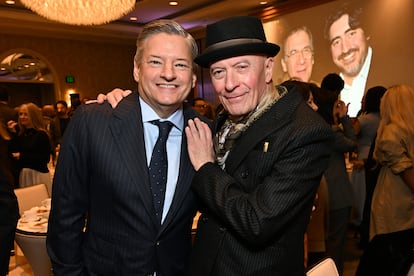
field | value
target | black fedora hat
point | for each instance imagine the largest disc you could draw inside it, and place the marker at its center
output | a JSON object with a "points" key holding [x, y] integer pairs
{"points": [[235, 36]]}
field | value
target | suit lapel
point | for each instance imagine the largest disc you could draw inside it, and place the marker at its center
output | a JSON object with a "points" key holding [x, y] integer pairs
{"points": [[127, 130]]}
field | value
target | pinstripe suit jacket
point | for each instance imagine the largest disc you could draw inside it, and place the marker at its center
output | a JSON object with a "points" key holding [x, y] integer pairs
{"points": [[257, 209], [102, 174]]}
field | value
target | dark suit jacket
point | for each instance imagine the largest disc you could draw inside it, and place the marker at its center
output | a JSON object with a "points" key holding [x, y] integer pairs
{"points": [[102, 174], [257, 209]]}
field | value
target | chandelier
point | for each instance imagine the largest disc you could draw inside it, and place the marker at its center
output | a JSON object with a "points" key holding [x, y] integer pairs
{"points": [[81, 12]]}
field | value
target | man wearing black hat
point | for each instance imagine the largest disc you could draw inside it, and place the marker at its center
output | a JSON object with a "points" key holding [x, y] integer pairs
{"points": [[258, 175]]}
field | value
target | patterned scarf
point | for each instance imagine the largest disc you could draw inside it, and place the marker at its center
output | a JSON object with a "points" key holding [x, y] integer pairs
{"points": [[230, 131]]}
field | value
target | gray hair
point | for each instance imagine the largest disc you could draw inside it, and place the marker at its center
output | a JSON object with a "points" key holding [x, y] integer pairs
{"points": [[294, 31], [168, 27]]}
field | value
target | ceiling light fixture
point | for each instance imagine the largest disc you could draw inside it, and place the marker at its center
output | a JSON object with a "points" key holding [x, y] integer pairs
{"points": [[81, 12]]}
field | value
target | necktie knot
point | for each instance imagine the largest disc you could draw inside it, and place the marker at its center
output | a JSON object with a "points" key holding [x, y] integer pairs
{"points": [[164, 128]]}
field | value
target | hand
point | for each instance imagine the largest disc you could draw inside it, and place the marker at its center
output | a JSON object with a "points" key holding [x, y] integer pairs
{"points": [[340, 109], [199, 143], [11, 125], [113, 97], [358, 165]]}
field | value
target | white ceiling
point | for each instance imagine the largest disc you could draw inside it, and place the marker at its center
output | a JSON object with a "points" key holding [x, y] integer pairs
{"points": [[194, 15]]}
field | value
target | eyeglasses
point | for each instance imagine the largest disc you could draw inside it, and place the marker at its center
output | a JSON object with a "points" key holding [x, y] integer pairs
{"points": [[201, 106], [306, 52]]}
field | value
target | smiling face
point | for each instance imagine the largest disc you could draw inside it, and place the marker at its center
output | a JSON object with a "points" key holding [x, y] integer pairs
{"points": [[349, 46], [241, 82], [165, 73], [298, 59], [24, 117]]}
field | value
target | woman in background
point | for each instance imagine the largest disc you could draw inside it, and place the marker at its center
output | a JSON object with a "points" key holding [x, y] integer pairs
{"points": [[390, 251], [31, 147], [368, 123], [9, 211]]}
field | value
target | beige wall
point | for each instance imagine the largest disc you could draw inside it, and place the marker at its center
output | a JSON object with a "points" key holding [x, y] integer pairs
{"points": [[388, 24], [96, 66]]}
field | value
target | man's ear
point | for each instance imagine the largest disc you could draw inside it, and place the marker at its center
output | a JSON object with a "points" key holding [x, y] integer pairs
{"points": [[269, 69], [194, 80], [283, 63], [136, 72]]}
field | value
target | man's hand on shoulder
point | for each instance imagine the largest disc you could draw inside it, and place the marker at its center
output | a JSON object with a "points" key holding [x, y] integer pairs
{"points": [[113, 97]]}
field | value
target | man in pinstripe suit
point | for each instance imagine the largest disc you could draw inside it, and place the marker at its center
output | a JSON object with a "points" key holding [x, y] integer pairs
{"points": [[102, 220], [258, 183]]}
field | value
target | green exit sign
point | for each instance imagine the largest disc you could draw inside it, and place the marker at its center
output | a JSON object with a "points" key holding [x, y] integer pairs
{"points": [[70, 79]]}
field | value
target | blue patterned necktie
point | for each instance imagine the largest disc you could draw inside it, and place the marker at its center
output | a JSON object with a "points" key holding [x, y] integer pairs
{"points": [[159, 166]]}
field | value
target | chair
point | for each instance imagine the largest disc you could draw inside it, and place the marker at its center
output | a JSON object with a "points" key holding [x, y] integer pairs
{"points": [[31, 196], [326, 267], [34, 249]]}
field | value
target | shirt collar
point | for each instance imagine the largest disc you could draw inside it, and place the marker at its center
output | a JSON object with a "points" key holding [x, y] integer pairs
{"points": [[148, 115]]}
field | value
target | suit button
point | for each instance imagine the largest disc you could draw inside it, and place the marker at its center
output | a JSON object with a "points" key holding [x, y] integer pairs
{"points": [[204, 219], [245, 174], [157, 243]]}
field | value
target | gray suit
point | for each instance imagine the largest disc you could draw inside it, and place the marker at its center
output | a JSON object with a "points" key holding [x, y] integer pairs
{"points": [[102, 174]]}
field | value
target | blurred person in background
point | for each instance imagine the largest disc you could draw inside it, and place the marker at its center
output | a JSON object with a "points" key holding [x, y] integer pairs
{"points": [[9, 211], [58, 124], [49, 113], [30, 146], [334, 112], [6, 111], [333, 83], [368, 123], [390, 250], [9, 117]]}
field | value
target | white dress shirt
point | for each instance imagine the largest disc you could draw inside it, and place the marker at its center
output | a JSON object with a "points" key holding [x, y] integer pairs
{"points": [[353, 93]]}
